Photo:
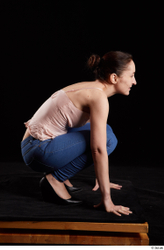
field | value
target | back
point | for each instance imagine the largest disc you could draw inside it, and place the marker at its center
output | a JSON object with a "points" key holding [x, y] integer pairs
{"points": [[79, 93], [55, 116]]}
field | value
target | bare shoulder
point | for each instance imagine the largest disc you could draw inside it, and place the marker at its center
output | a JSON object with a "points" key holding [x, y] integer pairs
{"points": [[76, 86], [98, 98], [87, 96], [99, 105], [99, 110]]}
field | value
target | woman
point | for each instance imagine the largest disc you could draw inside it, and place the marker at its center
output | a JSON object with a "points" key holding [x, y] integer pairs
{"points": [[69, 132]]}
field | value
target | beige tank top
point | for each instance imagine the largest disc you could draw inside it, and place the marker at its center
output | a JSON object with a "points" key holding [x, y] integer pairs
{"points": [[55, 116]]}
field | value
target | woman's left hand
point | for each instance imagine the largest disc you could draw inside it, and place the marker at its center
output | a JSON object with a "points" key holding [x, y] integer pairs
{"points": [[115, 186], [112, 185]]}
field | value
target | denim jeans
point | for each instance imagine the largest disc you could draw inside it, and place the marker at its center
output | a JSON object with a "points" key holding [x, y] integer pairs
{"points": [[65, 155]]}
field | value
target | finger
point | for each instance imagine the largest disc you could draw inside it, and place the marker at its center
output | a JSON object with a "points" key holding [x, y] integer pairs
{"points": [[125, 210], [126, 213], [115, 212], [95, 188], [118, 187], [98, 205], [115, 186]]}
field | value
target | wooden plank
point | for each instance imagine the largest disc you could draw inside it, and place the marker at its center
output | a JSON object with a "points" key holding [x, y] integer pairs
{"points": [[144, 239], [78, 226], [117, 239], [82, 239]]}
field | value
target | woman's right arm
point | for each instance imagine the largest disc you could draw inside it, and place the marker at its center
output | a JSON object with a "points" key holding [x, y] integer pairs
{"points": [[99, 109]]}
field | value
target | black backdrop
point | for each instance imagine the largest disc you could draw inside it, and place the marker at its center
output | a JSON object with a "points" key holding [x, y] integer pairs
{"points": [[44, 47]]}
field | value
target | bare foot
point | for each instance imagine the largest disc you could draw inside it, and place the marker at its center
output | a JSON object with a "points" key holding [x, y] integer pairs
{"points": [[58, 187], [68, 183]]}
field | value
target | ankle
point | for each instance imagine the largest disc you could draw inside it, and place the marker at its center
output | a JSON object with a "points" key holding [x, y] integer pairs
{"points": [[51, 179], [58, 187], [68, 183]]}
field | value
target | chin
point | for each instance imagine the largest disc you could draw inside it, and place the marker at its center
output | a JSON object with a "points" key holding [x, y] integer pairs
{"points": [[126, 93]]}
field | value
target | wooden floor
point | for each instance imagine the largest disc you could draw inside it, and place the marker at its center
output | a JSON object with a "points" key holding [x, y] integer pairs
{"points": [[81, 233]]}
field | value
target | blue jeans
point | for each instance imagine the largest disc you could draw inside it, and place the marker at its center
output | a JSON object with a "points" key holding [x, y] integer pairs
{"points": [[65, 155]]}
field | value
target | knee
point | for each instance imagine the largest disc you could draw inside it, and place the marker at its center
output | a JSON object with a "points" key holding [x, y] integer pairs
{"points": [[114, 140], [111, 140]]}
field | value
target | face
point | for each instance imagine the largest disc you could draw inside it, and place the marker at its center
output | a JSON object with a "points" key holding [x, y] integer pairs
{"points": [[126, 80]]}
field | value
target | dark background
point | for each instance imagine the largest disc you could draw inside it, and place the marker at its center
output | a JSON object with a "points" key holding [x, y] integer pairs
{"points": [[45, 46]]}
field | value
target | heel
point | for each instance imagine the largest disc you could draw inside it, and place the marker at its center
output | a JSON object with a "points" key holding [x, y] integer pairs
{"points": [[73, 189], [49, 195]]}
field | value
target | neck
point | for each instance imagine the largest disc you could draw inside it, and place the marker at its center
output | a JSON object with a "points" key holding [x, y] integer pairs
{"points": [[108, 88]]}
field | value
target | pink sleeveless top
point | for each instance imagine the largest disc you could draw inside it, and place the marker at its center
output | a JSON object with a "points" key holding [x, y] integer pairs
{"points": [[55, 116]]}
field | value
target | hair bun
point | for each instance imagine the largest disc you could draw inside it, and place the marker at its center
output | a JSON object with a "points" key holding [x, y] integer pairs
{"points": [[93, 62]]}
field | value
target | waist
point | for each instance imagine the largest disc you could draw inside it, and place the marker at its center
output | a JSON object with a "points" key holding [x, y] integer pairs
{"points": [[26, 135]]}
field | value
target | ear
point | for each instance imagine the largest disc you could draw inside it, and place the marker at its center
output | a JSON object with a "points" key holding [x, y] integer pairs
{"points": [[113, 78]]}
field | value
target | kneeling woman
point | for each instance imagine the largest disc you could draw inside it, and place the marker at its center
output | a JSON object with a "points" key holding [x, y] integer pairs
{"points": [[69, 132]]}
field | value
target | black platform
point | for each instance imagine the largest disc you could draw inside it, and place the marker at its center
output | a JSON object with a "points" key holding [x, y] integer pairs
{"points": [[21, 199]]}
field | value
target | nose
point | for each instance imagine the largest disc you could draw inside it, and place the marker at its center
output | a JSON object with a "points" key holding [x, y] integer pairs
{"points": [[134, 82]]}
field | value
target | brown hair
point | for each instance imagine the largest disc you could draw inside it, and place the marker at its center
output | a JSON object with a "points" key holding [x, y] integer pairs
{"points": [[112, 62]]}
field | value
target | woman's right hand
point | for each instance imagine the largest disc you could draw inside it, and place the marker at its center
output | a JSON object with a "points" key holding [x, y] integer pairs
{"points": [[112, 185], [111, 208]]}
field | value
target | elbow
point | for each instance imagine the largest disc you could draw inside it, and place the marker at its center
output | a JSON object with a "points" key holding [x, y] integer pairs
{"points": [[98, 151]]}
